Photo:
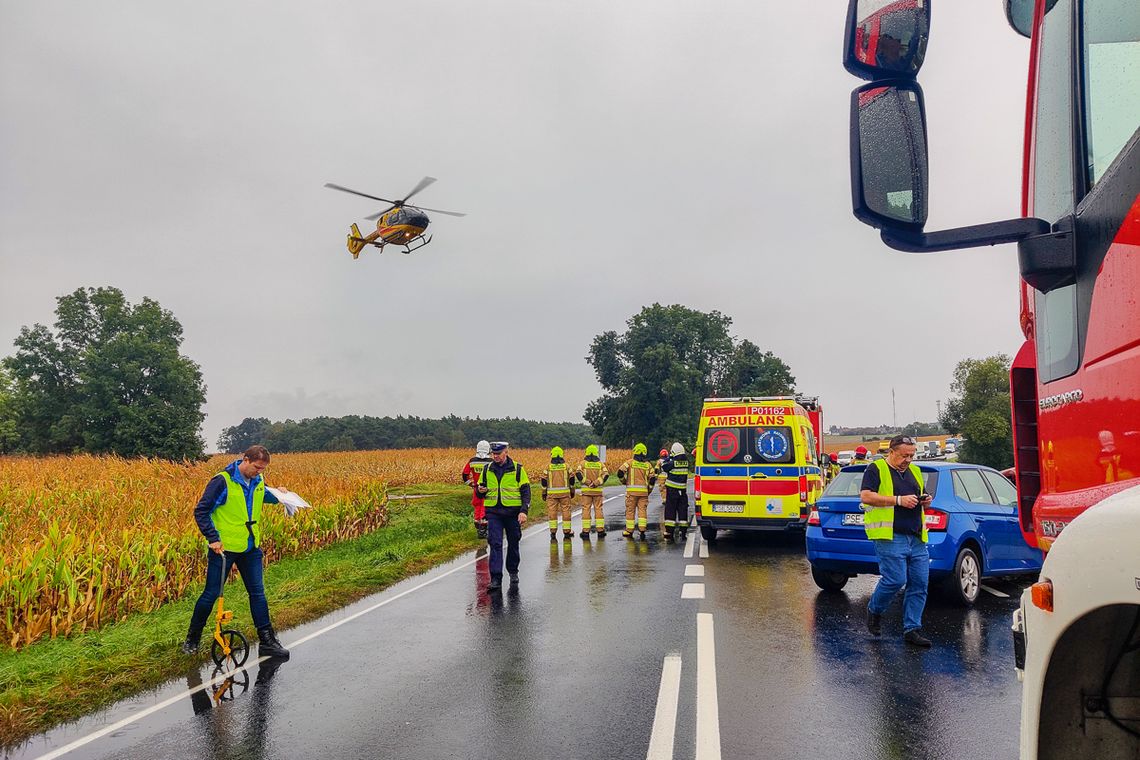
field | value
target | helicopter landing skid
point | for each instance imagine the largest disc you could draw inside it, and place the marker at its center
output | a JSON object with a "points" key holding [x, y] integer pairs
{"points": [[416, 243]]}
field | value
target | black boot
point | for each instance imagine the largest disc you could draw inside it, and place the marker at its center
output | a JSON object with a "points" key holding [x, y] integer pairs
{"points": [[193, 637], [268, 644], [481, 528]]}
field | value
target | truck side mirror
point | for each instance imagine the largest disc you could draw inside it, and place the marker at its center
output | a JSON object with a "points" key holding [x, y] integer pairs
{"points": [[888, 155], [886, 39]]}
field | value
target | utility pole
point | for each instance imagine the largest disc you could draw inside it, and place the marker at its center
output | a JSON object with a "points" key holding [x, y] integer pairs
{"points": [[894, 412]]}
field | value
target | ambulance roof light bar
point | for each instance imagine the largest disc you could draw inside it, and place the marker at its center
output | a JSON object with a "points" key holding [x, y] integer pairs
{"points": [[750, 399]]}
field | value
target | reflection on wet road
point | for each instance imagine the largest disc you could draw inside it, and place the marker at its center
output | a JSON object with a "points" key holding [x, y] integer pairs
{"points": [[569, 664]]}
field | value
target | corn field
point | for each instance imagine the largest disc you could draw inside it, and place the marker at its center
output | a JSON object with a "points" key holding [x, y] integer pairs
{"points": [[90, 540]]}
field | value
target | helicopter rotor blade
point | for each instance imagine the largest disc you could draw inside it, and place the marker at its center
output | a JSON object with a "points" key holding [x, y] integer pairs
{"points": [[363, 195], [422, 184], [439, 211], [379, 214]]}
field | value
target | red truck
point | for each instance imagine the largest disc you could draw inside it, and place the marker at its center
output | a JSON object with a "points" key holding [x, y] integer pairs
{"points": [[1075, 382]]}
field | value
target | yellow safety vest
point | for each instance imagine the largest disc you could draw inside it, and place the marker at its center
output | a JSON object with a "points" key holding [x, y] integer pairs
{"points": [[507, 491], [879, 522], [236, 521]]}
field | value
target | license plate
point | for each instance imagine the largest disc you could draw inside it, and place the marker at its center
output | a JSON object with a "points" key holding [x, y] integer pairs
{"points": [[739, 508], [853, 518]]}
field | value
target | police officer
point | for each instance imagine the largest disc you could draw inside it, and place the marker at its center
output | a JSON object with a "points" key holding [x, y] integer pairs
{"points": [[472, 471], [638, 477], [676, 471], [892, 500], [229, 516], [556, 489], [505, 489], [592, 474]]}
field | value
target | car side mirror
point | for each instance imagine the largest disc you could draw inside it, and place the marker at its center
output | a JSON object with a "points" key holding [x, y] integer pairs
{"points": [[886, 39]]}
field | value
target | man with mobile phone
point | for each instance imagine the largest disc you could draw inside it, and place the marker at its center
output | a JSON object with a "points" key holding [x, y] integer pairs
{"points": [[893, 498]]}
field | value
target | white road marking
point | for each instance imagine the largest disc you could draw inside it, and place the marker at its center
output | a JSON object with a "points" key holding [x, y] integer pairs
{"points": [[694, 571], [692, 591], [171, 700], [704, 552], [665, 719], [995, 592], [708, 712], [690, 545]]}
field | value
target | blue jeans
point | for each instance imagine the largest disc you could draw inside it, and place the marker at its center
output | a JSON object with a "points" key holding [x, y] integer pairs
{"points": [[497, 525], [903, 561], [249, 566]]}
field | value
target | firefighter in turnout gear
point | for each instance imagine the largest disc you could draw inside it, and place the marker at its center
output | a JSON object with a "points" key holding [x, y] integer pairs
{"points": [[592, 474], [472, 471], [676, 471], [639, 478], [558, 490], [661, 457]]}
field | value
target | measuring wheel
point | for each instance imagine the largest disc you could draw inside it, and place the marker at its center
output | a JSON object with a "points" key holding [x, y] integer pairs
{"points": [[238, 650]]}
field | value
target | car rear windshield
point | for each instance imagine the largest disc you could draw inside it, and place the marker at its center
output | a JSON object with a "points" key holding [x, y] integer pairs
{"points": [[849, 483], [749, 445]]}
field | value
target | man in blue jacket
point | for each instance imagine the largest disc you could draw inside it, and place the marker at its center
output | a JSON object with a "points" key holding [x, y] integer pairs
{"points": [[229, 516]]}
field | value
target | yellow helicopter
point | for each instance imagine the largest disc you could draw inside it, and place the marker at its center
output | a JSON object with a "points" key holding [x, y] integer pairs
{"points": [[399, 224]]}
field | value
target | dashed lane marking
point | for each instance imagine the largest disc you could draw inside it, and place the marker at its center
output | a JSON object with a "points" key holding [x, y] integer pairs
{"points": [[690, 545], [708, 711], [995, 592], [665, 718], [704, 552], [697, 571], [692, 591]]}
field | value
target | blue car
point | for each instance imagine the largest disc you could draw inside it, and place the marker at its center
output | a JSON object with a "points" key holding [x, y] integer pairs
{"points": [[972, 526]]}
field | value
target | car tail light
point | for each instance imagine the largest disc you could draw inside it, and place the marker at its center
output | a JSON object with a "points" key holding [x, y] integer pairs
{"points": [[936, 520], [803, 488], [813, 517], [697, 487], [1042, 593]]}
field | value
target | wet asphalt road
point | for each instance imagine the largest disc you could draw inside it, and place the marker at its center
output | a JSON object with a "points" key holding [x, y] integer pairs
{"points": [[569, 665]]}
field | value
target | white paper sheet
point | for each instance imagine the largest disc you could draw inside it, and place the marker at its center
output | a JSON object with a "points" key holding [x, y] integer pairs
{"points": [[290, 500]]}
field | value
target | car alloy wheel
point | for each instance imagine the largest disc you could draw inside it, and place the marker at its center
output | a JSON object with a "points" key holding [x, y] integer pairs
{"points": [[966, 582]]}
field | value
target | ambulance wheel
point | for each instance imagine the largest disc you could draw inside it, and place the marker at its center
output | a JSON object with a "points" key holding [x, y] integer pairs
{"points": [[239, 650], [828, 580], [708, 533]]}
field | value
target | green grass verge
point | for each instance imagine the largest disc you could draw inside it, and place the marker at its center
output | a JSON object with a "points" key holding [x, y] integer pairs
{"points": [[58, 680]]}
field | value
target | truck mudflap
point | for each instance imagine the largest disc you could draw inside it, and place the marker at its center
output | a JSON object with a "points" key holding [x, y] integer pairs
{"points": [[1018, 630]]}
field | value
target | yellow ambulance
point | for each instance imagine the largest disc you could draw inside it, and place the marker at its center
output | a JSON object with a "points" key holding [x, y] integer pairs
{"points": [[757, 463]]}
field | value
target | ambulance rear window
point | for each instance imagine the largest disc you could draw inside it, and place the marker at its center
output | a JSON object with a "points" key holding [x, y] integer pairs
{"points": [[752, 445]]}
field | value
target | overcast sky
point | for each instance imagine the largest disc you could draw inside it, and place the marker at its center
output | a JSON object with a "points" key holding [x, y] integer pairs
{"points": [[609, 155]]}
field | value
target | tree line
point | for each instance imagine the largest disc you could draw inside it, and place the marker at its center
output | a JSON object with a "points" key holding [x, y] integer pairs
{"points": [[109, 378], [355, 432]]}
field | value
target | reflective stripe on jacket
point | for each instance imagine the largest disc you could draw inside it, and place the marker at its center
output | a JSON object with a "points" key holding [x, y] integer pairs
{"points": [[592, 472], [506, 492], [676, 472], [557, 480], [236, 519], [879, 522], [637, 479]]}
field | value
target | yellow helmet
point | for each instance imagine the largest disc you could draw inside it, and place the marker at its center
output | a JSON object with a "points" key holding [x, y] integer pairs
{"points": [[639, 449], [591, 450], [556, 452]]}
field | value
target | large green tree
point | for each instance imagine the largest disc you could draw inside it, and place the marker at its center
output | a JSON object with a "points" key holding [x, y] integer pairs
{"points": [[657, 373], [979, 410], [9, 439], [108, 380]]}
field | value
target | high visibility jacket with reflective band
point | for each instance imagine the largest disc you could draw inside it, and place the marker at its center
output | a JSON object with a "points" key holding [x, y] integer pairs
{"points": [[677, 476], [637, 476], [476, 464], [879, 522], [235, 519], [507, 491], [591, 472], [557, 480]]}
